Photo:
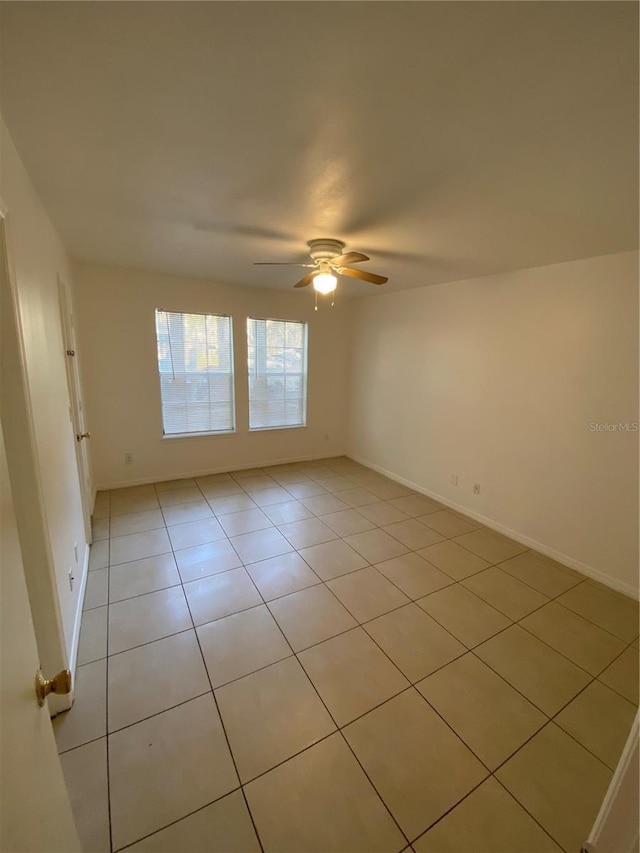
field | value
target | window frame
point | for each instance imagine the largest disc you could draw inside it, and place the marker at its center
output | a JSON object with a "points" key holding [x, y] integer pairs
{"points": [[304, 374], [172, 436]]}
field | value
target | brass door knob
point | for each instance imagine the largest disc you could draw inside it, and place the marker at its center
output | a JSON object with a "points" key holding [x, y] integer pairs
{"points": [[81, 435], [60, 684]]}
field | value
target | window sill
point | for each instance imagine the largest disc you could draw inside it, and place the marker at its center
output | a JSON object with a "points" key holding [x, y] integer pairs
{"points": [[276, 428], [181, 435]]}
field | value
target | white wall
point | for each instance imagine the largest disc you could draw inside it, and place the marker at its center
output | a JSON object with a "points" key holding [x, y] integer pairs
{"points": [[38, 258], [497, 379], [116, 325]]}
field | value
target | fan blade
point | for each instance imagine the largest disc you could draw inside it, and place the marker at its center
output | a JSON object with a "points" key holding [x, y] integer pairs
{"points": [[309, 277], [365, 276], [279, 264], [349, 258]]}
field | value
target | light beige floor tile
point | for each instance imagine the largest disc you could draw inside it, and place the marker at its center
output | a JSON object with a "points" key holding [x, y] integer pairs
{"points": [[246, 521], [448, 523], [100, 529], [142, 576], [574, 637], [600, 720], [321, 801], [194, 533], [505, 593], [93, 636], [414, 642], [310, 616], [147, 618], [415, 505], [96, 593], [200, 561], [352, 675], [456, 561], [287, 477], [270, 716], [491, 546], [127, 505], [257, 483], [387, 491], [223, 827], [413, 533], [102, 505], [185, 512], [492, 719], [136, 546], [358, 497], [418, 766], [269, 497], [347, 521], [367, 594], [376, 545], [223, 504], [282, 575], [221, 595], [414, 576], [559, 783], [463, 614], [152, 678], [136, 522], [336, 483], [186, 743], [210, 479], [309, 531], [324, 504], [181, 495], [286, 512], [542, 573], [133, 491], [260, 545], [305, 490], [178, 484], [86, 720], [489, 820], [606, 608], [546, 678], [99, 555], [240, 644], [622, 675], [85, 773], [380, 513], [332, 559], [221, 490]]}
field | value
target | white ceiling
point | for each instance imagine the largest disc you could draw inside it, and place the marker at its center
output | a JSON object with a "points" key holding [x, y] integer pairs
{"points": [[444, 139]]}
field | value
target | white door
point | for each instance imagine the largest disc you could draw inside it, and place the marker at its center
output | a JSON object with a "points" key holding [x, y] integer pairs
{"points": [[34, 804], [76, 411]]}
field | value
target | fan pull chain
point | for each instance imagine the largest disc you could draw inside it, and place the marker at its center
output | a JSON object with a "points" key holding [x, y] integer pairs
{"points": [[316, 292]]}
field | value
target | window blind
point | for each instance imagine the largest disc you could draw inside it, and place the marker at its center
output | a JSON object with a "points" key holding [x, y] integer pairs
{"points": [[277, 351], [195, 362]]}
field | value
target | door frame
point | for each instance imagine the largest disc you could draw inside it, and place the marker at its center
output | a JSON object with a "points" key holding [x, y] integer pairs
{"points": [[76, 408], [25, 477]]}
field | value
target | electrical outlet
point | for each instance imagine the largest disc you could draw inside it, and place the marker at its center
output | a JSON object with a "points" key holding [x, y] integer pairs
{"points": [[71, 579], [476, 488], [128, 458], [454, 479]]}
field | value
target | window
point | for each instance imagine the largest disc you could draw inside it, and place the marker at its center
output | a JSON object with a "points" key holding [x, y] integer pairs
{"points": [[277, 373], [195, 361]]}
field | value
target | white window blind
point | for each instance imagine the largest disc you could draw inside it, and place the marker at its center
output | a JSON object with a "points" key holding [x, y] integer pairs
{"points": [[277, 373], [195, 361]]}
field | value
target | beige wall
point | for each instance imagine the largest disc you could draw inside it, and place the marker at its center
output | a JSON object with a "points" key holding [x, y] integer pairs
{"points": [[497, 379], [38, 258], [115, 309]]}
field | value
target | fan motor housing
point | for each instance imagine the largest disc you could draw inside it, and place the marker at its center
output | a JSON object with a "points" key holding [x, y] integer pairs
{"points": [[324, 249]]}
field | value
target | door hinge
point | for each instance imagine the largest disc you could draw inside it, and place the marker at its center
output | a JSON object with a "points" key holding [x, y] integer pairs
{"points": [[71, 352]]}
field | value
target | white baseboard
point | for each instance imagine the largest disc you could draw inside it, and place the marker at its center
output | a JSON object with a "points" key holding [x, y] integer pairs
{"points": [[565, 559], [221, 469]]}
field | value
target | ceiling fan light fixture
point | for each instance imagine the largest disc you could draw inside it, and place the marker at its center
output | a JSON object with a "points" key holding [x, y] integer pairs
{"points": [[326, 282]]}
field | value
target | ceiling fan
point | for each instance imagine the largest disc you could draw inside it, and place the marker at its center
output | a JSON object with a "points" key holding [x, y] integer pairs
{"points": [[328, 263]]}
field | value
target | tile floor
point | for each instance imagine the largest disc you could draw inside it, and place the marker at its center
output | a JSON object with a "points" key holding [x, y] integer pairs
{"points": [[312, 658]]}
